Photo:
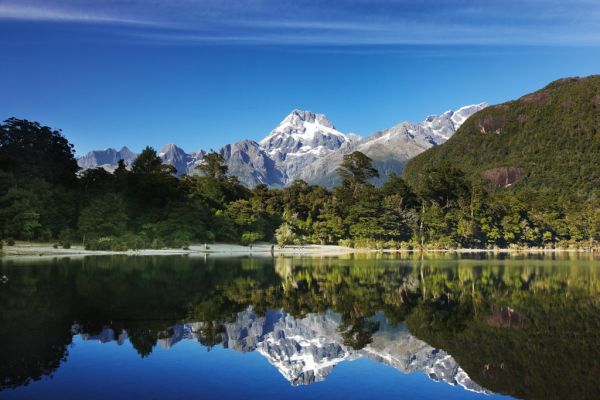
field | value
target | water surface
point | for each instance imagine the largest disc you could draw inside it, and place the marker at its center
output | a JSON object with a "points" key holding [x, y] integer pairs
{"points": [[357, 326]]}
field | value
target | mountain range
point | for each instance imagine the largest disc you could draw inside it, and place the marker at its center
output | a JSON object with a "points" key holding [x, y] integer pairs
{"points": [[306, 146]]}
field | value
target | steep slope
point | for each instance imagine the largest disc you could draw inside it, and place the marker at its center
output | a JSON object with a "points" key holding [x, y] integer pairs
{"points": [[251, 164], [546, 141]]}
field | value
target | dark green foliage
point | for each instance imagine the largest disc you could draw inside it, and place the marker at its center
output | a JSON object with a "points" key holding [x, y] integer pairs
{"points": [[150, 186], [30, 150], [104, 216], [20, 213], [356, 168], [547, 142], [148, 163], [213, 165]]}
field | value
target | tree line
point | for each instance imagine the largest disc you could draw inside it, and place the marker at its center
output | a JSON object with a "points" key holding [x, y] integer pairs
{"points": [[44, 196]]}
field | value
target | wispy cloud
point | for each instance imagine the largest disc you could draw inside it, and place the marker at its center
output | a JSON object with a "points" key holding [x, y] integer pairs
{"points": [[33, 12], [341, 23]]}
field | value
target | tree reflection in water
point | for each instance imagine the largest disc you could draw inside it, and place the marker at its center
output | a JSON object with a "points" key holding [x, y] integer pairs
{"points": [[524, 326]]}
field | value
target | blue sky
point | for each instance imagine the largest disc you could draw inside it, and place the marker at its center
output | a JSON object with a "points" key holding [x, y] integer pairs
{"points": [[203, 73]]}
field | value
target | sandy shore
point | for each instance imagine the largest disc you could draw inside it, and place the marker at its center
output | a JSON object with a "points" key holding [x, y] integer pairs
{"points": [[23, 250]]}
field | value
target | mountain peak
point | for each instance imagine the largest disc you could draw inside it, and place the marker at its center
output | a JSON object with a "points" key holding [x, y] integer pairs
{"points": [[298, 118], [302, 128], [126, 152], [170, 147]]}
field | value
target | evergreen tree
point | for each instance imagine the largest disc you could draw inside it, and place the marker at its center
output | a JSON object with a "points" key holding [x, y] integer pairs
{"points": [[104, 216], [213, 165], [356, 168], [30, 150]]}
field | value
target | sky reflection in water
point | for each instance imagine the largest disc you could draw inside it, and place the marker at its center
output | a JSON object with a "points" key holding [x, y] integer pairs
{"points": [[356, 327]]}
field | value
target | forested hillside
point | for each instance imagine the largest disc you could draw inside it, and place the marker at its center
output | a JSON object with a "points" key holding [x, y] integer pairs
{"points": [[545, 144]]}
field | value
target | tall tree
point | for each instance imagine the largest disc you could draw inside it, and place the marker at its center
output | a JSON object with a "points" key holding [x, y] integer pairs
{"points": [[356, 168], [148, 162], [444, 186], [213, 165], [105, 216], [151, 186], [30, 150]]}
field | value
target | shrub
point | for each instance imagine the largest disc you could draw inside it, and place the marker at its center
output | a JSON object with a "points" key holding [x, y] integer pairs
{"points": [[66, 245], [285, 235], [46, 235], [210, 236], [134, 242], [346, 243], [251, 237], [301, 240], [100, 244], [406, 246], [118, 247], [157, 244], [10, 241], [179, 237]]}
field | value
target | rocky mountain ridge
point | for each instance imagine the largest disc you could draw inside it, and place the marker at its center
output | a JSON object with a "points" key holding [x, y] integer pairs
{"points": [[306, 146]]}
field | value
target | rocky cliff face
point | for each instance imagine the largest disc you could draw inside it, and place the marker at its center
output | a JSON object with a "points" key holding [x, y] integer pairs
{"points": [[183, 162], [107, 159], [251, 164], [307, 146]]}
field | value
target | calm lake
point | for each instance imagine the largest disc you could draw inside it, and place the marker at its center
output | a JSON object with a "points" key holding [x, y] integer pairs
{"points": [[360, 326]]}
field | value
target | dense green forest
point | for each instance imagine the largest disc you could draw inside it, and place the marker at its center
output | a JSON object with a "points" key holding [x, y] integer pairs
{"points": [[543, 147], [44, 197]]}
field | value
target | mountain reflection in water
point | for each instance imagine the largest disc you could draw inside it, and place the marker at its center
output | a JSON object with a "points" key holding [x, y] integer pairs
{"points": [[305, 350], [527, 327]]}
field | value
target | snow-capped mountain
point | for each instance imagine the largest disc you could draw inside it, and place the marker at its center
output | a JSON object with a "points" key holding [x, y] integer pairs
{"points": [[303, 132], [305, 350], [302, 142], [307, 146], [441, 127]]}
